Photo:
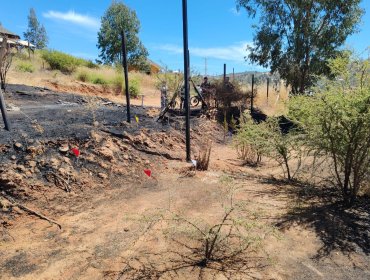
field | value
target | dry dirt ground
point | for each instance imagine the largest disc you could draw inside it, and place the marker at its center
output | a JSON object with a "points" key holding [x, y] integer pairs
{"points": [[109, 220]]}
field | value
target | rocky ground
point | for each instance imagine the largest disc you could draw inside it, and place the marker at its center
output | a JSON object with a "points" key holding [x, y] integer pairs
{"points": [[76, 201]]}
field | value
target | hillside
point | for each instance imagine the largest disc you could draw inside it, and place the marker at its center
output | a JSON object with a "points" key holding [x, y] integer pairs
{"points": [[88, 79]]}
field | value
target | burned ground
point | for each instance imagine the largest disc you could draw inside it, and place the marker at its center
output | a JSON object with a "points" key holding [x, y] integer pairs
{"points": [[108, 208]]}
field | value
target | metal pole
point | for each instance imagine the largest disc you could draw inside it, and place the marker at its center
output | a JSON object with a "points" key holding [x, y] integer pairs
{"points": [[186, 77], [252, 93], [125, 69], [224, 72], [3, 111]]}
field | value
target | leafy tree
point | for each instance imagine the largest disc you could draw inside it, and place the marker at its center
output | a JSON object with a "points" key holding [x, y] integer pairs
{"points": [[117, 19], [296, 38], [337, 123], [36, 32]]}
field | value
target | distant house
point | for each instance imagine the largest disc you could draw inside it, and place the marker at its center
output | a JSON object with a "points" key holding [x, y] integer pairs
{"points": [[13, 39], [8, 34], [154, 67]]}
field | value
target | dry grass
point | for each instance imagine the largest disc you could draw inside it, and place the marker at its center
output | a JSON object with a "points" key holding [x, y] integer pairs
{"points": [[204, 157], [103, 81], [276, 103]]}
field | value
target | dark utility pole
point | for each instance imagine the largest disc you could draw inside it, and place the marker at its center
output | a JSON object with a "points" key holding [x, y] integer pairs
{"points": [[3, 111], [252, 93], [186, 76], [224, 72], [125, 69]]}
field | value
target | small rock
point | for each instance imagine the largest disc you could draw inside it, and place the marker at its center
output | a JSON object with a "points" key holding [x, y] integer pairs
{"points": [[103, 176], [35, 150], [94, 135], [103, 165], [32, 163], [21, 168], [4, 204], [67, 160], [13, 157], [95, 123], [18, 145], [106, 152], [64, 148], [17, 210], [54, 162], [62, 171], [126, 157], [147, 162]]}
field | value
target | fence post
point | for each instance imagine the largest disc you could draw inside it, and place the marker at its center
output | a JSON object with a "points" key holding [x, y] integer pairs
{"points": [[268, 84], [252, 93]]}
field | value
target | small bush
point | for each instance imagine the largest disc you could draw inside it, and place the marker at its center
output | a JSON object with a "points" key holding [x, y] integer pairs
{"points": [[266, 139], [336, 120], [117, 83], [62, 61], [83, 76], [24, 66], [90, 64], [134, 88], [99, 80]]}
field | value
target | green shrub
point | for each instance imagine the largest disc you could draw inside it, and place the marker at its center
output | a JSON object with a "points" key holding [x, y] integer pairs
{"points": [[90, 64], [255, 140], [337, 123], [98, 80], [83, 76], [61, 61], [25, 66], [117, 83], [134, 88]]}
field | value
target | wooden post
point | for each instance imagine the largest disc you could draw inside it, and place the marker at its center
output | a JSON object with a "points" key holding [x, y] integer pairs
{"points": [[252, 93], [3, 111], [125, 69], [267, 92], [224, 72]]}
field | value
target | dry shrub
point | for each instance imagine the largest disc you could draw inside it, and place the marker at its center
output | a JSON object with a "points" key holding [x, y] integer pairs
{"points": [[204, 157], [6, 58], [247, 154], [229, 94]]}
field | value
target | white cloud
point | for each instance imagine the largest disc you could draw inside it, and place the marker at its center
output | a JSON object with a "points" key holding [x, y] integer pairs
{"points": [[234, 11], [235, 52], [74, 17]]}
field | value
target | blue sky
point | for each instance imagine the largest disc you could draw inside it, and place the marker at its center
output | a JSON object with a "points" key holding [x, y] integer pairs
{"points": [[216, 30]]}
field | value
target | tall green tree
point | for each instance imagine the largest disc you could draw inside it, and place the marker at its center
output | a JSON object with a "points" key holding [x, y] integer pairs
{"points": [[36, 32], [296, 37], [117, 19]]}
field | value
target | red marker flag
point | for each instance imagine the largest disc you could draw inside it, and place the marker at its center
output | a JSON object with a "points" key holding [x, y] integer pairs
{"points": [[76, 152], [148, 172]]}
